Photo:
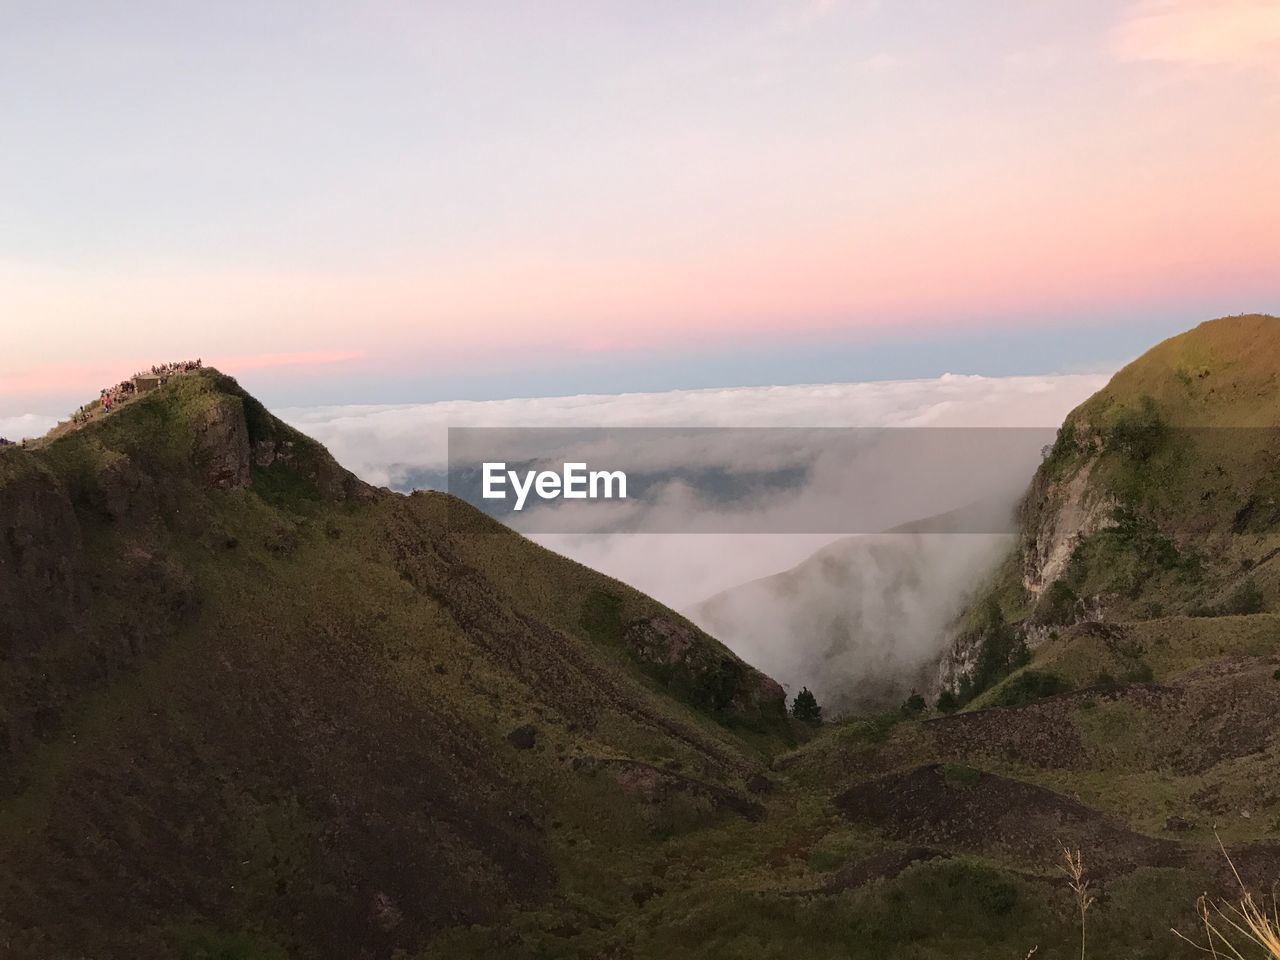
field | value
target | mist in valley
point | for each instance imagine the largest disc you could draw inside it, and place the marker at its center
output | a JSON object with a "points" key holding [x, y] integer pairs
{"points": [[861, 622], [859, 619]]}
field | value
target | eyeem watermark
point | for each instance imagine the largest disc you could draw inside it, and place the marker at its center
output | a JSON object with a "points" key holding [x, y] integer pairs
{"points": [[789, 480], [574, 482]]}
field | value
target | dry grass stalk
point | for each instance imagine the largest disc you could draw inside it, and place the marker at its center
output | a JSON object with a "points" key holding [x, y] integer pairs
{"points": [[1230, 929], [1074, 870]]}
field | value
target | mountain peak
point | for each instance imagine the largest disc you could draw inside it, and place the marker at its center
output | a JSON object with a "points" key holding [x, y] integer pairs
{"points": [[1220, 373], [376, 726], [1158, 499], [201, 425]]}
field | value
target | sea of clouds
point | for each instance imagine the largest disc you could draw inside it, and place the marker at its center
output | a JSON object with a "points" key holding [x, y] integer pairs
{"points": [[406, 446], [26, 425], [863, 617]]}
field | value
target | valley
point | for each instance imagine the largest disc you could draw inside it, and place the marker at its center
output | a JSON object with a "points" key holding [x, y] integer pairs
{"points": [[253, 707]]}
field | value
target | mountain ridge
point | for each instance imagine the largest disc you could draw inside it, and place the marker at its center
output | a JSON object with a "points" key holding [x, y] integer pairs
{"points": [[1143, 506], [228, 664]]}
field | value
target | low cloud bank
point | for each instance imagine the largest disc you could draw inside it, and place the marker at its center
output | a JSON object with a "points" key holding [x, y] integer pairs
{"points": [[25, 426], [860, 620], [392, 445]]}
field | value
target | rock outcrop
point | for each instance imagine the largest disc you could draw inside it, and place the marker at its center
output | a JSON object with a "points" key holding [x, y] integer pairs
{"points": [[222, 444]]}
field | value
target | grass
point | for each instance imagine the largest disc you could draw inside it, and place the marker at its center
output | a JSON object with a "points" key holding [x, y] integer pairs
{"points": [[1167, 646], [1241, 928], [869, 728], [1028, 686], [200, 942], [1080, 890]]}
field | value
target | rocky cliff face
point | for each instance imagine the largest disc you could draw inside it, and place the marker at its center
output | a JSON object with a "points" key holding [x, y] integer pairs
{"points": [[221, 438], [1144, 506], [1057, 516]]}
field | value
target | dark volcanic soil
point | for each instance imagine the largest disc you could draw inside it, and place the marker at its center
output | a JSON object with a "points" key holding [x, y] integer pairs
{"points": [[959, 808]]}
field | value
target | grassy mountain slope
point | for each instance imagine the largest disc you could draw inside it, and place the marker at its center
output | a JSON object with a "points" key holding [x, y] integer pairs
{"points": [[1158, 499], [1119, 678], [255, 709], [250, 706]]}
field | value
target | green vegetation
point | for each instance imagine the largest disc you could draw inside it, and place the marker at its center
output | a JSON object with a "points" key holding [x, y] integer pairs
{"points": [[602, 617], [1028, 686], [913, 706], [1059, 604], [871, 729], [1245, 599], [287, 687], [1000, 651], [1136, 433], [805, 708], [959, 775], [1131, 558], [200, 943]]}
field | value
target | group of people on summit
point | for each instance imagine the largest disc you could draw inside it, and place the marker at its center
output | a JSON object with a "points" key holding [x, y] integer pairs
{"points": [[110, 397]]}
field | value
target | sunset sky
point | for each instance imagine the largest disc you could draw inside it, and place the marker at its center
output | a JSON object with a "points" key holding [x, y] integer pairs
{"points": [[387, 201]]}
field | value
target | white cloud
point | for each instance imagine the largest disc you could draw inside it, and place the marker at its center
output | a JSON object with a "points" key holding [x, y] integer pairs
{"points": [[390, 444], [26, 425], [1239, 33]]}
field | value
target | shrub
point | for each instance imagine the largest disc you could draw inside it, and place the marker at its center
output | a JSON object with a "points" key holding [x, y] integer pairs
{"points": [[1058, 604], [805, 708], [871, 728], [949, 703], [1138, 432], [1030, 686], [601, 617], [1000, 651], [1246, 598], [1140, 673], [913, 706]]}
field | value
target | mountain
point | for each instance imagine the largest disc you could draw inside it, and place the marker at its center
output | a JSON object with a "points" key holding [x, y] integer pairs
{"points": [[1112, 689], [1158, 500], [251, 706]]}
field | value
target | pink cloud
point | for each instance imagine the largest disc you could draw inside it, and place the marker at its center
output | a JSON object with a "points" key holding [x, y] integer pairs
{"points": [[1241, 33]]}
